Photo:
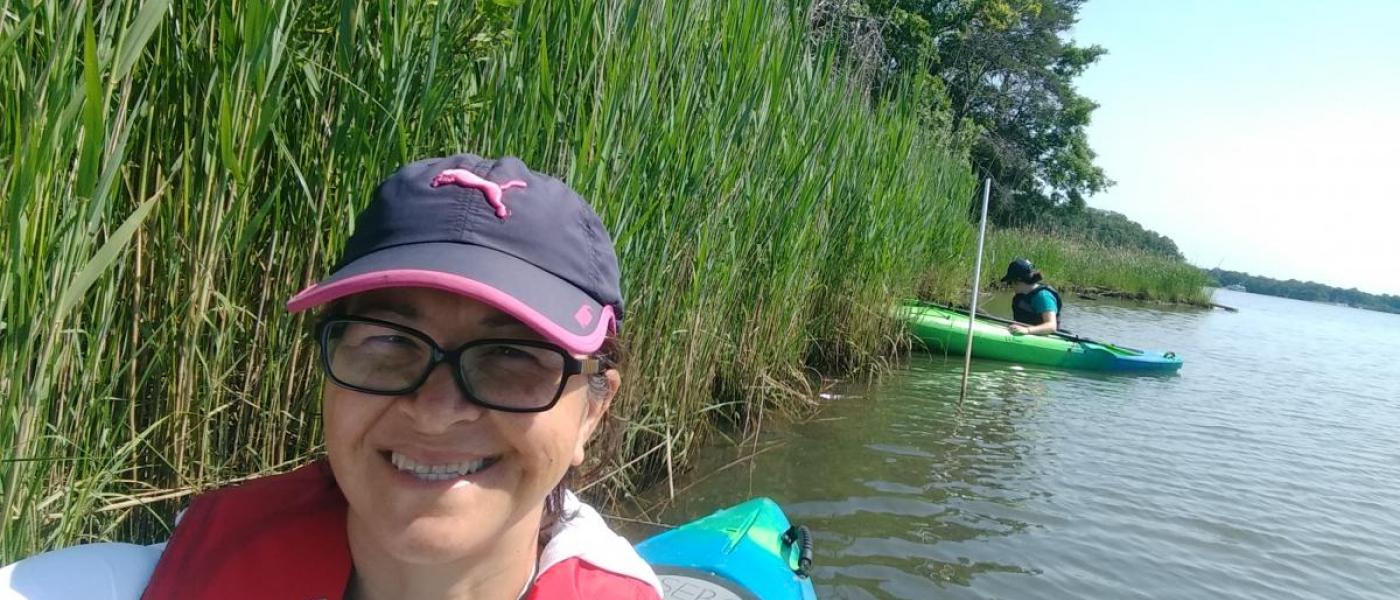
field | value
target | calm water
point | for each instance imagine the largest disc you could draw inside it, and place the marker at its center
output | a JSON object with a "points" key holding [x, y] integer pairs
{"points": [[1269, 467]]}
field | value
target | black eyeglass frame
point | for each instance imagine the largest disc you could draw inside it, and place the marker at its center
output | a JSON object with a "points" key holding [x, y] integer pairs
{"points": [[572, 364]]}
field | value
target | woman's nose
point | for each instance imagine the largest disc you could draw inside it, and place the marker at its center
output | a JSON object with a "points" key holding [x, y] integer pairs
{"points": [[439, 403]]}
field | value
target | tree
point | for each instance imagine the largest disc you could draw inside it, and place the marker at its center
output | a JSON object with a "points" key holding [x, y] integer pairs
{"points": [[1010, 71], [1003, 72]]}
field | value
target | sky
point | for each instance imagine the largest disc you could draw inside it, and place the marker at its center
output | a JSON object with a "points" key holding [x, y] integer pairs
{"points": [[1260, 135]]}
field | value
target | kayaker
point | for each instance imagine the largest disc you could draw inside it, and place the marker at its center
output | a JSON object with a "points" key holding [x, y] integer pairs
{"points": [[467, 337], [1036, 306]]}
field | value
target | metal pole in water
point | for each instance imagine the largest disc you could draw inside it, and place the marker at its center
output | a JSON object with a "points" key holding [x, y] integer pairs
{"points": [[976, 285]]}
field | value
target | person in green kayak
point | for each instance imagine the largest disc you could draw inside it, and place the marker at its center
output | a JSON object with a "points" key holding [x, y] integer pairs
{"points": [[1036, 306]]}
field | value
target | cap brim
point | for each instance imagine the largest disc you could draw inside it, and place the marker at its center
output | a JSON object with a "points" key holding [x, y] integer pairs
{"points": [[542, 301]]}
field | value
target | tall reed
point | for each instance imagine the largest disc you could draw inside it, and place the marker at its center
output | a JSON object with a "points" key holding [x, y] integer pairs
{"points": [[173, 172]]}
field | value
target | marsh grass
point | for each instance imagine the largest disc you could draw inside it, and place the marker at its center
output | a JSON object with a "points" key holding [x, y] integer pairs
{"points": [[173, 172], [1072, 264]]}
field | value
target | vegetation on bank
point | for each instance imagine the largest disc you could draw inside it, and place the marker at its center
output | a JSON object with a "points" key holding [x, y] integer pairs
{"points": [[1306, 290], [173, 172], [1106, 228], [1077, 265]]}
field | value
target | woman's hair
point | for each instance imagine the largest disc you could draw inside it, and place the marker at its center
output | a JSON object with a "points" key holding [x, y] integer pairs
{"points": [[613, 353], [1034, 277]]}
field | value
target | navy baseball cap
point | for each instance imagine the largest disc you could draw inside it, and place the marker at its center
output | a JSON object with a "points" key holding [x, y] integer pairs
{"points": [[1019, 270], [490, 230]]}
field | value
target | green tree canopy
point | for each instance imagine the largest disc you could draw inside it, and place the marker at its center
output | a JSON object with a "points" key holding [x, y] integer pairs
{"points": [[999, 75]]}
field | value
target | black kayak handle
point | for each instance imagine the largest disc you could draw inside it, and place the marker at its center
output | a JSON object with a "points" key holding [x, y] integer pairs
{"points": [[799, 534]]}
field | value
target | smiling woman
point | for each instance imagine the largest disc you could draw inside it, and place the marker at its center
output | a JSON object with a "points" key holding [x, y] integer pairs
{"points": [[464, 336]]}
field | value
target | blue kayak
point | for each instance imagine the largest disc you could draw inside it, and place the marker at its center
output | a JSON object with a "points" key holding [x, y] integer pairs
{"points": [[745, 552]]}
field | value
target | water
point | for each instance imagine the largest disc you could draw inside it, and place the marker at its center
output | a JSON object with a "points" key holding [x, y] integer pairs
{"points": [[1269, 467]]}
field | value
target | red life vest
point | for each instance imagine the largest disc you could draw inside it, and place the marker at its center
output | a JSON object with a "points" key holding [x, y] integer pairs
{"points": [[284, 537]]}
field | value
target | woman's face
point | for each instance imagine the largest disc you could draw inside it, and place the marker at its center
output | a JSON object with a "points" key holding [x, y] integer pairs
{"points": [[375, 443]]}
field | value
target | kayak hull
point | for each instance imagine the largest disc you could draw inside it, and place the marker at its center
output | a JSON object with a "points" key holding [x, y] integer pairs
{"points": [[944, 330], [740, 549]]}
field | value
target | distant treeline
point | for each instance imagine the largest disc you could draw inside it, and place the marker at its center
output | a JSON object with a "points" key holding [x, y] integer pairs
{"points": [[1107, 228], [1307, 290]]}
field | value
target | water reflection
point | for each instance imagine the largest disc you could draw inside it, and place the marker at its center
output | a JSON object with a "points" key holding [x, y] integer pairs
{"points": [[1267, 468], [898, 491]]}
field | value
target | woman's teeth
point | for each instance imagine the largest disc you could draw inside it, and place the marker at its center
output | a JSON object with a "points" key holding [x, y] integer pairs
{"points": [[438, 472]]}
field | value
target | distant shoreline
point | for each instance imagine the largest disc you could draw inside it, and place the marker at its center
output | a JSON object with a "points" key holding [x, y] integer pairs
{"points": [[1307, 291]]}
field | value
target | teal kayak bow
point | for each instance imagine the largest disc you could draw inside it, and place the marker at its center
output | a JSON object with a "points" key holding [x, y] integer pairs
{"points": [[745, 552]]}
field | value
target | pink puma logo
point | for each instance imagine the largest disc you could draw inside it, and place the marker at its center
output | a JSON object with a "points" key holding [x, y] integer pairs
{"points": [[490, 189], [584, 315]]}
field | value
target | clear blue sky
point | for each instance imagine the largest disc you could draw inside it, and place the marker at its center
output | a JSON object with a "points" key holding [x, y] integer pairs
{"points": [[1261, 136]]}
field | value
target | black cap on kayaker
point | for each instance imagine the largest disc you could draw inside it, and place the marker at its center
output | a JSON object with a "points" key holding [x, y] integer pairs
{"points": [[1019, 270]]}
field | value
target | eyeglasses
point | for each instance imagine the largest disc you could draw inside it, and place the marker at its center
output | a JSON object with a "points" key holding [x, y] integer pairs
{"points": [[379, 357]]}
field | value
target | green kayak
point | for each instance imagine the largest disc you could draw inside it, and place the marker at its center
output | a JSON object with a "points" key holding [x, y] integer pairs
{"points": [[944, 330]]}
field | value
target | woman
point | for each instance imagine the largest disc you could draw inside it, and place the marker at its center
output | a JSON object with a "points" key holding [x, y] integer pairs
{"points": [[1036, 306], [465, 336]]}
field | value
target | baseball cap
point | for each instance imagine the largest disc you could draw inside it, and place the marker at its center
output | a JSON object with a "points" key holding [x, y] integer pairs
{"points": [[490, 230], [1019, 270]]}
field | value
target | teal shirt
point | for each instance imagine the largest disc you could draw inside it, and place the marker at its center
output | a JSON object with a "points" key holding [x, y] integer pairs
{"points": [[1042, 301]]}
